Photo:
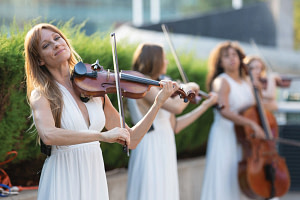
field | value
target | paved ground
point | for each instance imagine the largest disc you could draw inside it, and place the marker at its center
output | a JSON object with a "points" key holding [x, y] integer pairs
{"points": [[190, 172], [31, 195], [291, 196]]}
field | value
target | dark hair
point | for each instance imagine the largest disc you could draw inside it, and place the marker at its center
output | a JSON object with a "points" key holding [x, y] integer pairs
{"points": [[214, 61], [148, 59]]}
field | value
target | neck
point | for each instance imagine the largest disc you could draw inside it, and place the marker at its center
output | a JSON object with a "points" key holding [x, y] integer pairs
{"points": [[62, 75], [234, 75]]}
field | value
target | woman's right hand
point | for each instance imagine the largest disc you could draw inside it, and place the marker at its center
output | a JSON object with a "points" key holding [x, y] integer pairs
{"points": [[258, 131], [117, 134]]}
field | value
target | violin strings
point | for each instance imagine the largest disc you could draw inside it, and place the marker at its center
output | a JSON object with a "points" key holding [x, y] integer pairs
{"points": [[137, 79]]}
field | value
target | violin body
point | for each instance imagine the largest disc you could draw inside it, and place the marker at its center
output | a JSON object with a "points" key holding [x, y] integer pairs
{"points": [[104, 83], [93, 81], [262, 172]]}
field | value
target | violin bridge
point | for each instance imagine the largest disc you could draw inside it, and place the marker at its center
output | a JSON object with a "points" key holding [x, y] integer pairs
{"points": [[108, 74]]}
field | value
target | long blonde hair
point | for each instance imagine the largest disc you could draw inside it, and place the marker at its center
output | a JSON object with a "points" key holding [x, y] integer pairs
{"points": [[38, 77], [214, 61]]}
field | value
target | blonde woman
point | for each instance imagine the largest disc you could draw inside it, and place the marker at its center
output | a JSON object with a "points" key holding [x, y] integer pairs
{"points": [[268, 93], [73, 129]]}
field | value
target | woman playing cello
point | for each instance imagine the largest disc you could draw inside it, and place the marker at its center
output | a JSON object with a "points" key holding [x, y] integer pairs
{"points": [[268, 93], [228, 78]]}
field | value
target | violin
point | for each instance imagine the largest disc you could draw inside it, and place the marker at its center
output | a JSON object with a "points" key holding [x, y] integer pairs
{"points": [[285, 81], [262, 172], [200, 94], [91, 80]]}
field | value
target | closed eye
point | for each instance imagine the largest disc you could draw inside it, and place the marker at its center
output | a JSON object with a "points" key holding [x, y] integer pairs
{"points": [[57, 38], [45, 45]]}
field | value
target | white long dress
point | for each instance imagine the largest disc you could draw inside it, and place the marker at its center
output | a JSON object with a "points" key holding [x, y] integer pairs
{"points": [[76, 172], [223, 153], [152, 170]]}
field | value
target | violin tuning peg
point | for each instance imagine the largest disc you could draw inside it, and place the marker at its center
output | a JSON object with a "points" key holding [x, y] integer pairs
{"points": [[96, 65]]}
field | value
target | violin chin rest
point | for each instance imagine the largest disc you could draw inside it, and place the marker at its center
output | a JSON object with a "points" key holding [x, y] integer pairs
{"points": [[80, 69]]}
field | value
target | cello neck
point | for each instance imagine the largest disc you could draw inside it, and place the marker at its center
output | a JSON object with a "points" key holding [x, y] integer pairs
{"points": [[261, 110]]}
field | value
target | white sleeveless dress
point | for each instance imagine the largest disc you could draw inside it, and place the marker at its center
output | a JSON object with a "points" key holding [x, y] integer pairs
{"points": [[152, 170], [223, 152], [76, 172]]}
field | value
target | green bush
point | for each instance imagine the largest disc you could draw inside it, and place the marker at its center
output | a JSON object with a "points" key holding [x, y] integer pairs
{"points": [[14, 110], [15, 132]]}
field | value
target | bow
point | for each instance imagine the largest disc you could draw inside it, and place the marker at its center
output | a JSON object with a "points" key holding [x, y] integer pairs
{"points": [[118, 88]]}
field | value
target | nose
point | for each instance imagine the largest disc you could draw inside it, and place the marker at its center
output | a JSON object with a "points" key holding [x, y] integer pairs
{"points": [[55, 44]]}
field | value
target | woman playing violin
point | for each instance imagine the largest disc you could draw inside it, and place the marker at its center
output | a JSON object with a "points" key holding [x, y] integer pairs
{"points": [[268, 93], [75, 168], [152, 172], [228, 78]]}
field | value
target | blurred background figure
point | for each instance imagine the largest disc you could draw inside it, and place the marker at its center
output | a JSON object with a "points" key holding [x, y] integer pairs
{"points": [[227, 77], [152, 170], [266, 82]]}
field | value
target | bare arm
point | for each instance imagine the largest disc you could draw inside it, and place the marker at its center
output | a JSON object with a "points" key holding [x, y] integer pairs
{"points": [[141, 128], [183, 121], [270, 91], [221, 86], [175, 104], [52, 135]]}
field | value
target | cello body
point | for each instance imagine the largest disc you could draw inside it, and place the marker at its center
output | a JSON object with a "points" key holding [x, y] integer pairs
{"points": [[262, 172]]}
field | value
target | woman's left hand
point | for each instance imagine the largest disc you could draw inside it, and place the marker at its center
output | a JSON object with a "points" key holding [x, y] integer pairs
{"points": [[212, 100], [257, 84], [169, 88]]}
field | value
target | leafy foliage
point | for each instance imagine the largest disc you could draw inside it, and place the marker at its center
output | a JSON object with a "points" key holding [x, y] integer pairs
{"points": [[13, 105]]}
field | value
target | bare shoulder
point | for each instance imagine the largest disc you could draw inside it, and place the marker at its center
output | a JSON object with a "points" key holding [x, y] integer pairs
{"points": [[220, 84], [37, 99]]}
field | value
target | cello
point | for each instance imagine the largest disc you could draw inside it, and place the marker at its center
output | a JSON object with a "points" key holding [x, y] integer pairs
{"points": [[262, 172]]}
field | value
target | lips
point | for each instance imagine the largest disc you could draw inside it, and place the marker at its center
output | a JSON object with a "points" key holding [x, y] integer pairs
{"points": [[59, 51]]}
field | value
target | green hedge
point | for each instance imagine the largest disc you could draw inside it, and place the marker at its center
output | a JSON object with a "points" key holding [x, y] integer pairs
{"points": [[15, 132]]}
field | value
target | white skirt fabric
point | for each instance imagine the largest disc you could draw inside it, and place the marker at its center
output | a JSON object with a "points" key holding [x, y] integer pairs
{"points": [[223, 152], [152, 170], [75, 172]]}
